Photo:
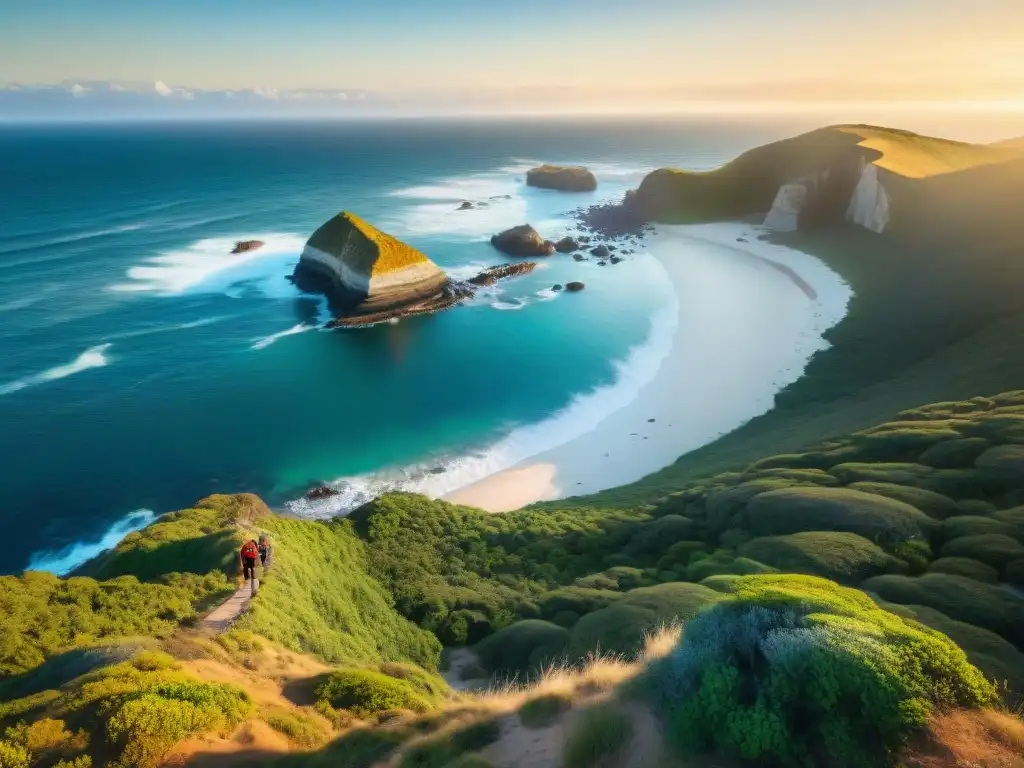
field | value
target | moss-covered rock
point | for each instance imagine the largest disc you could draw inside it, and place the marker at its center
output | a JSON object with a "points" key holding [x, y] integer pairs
{"points": [[843, 557], [794, 510], [972, 525], [1003, 463]]}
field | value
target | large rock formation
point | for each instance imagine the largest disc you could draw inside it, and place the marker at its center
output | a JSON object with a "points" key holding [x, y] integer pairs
{"points": [[565, 178], [522, 240], [364, 271]]}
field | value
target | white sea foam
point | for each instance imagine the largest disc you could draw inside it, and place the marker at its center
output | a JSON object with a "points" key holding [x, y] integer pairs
{"points": [[165, 328], [94, 357], [266, 341], [208, 266], [70, 557], [583, 412]]}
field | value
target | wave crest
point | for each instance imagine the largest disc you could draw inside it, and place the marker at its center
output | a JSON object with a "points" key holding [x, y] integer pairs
{"points": [[94, 357]]}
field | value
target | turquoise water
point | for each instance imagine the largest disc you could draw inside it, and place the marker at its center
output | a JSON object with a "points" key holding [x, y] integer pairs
{"points": [[143, 367]]}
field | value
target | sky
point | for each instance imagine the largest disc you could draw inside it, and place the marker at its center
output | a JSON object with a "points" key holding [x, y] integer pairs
{"points": [[497, 55]]}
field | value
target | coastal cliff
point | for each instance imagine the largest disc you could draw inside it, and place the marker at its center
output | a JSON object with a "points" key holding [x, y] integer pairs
{"points": [[835, 174], [364, 271]]}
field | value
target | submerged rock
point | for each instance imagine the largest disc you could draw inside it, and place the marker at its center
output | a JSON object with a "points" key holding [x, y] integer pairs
{"points": [[491, 275], [578, 257], [242, 246], [574, 287], [366, 272], [600, 251], [562, 177], [522, 240], [615, 259], [466, 205], [557, 287]]}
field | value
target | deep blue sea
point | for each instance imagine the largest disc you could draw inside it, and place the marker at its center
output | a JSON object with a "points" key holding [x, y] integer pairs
{"points": [[142, 366]]}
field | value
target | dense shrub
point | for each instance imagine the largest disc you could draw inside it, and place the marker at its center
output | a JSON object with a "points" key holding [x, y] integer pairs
{"points": [[579, 600], [984, 605], [795, 510], [44, 615], [797, 476], [932, 504], [620, 627], [445, 751], [953, 454], [136, 710], [992, 548], [880, 472], [997, 658], [843, 557], [368, 691], [655, 537], [298, 727], [790, 668], [523, 648], [972, 525], [966, 567]]}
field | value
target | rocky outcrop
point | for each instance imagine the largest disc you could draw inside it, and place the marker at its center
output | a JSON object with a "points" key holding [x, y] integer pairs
{"points": [[564, 178], [243, 246], [321, 492], [567, 245], [522, 240], [600, 251], [365, 272], [869, 206], [491, 275]]}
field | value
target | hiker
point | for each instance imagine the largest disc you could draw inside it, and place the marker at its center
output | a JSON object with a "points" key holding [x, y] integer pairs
{"points": [[250, 551], [264, 548]]}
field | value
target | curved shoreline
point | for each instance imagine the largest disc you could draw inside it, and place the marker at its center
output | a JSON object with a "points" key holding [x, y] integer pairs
{"points": [[726, 364]]}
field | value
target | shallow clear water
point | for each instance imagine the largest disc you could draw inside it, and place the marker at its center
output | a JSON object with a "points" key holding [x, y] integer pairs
{"points": [[142, 366]]}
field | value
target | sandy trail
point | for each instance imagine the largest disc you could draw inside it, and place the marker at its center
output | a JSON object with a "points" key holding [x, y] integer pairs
{"points": [[220, 618]]}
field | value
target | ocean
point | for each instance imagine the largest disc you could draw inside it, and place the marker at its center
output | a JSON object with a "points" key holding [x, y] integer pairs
{"points": [[142, 366]]}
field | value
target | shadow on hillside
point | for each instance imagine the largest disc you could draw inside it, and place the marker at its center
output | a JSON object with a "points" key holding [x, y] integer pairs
{"points": [[300, 691], [359, 748]]}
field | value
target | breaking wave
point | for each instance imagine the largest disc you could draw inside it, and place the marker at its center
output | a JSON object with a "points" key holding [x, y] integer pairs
{"points": [[94, 357]]}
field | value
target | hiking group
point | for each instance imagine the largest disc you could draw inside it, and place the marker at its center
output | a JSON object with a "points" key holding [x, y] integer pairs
{"points": [[250, 552]]}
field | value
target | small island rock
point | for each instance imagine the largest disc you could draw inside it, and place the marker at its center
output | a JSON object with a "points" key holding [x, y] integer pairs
{"points": [[562, 177], [574, 287], [522, 240], [242, 246]]}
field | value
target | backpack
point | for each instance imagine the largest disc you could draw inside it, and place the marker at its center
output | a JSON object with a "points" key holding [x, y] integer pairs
{"points": [[249, 550]]}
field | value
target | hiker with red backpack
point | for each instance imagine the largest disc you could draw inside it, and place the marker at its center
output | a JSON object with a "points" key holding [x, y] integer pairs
{"points": [[249, 553]]}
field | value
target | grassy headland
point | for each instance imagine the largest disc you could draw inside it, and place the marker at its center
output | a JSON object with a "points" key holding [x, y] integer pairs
{"points": [[848, 565]]}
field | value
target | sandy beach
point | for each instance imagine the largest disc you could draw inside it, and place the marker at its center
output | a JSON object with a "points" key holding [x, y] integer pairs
{"points": [[750, 315]]}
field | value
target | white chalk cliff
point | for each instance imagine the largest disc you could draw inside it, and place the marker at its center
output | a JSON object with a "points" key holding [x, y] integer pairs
{"points": [[869, 205]]}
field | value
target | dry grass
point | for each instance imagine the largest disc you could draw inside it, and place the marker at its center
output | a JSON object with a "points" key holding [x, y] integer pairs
{"points": [[970, 739]]}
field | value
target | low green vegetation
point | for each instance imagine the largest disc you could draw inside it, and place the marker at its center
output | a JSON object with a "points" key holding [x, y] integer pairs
{"points": [[789, 668], [451, 746], [542, 711], [843, 557], [44, 615], [126, 715], [318, 599], [198, 540], [366, 692], [523, 648], [600, 733]]}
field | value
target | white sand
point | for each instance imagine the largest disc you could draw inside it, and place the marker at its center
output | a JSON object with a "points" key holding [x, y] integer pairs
{"points": [[751, 314]]}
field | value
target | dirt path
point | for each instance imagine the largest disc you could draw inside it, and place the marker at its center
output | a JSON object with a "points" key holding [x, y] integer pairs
{"points": [[220, 618]]}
